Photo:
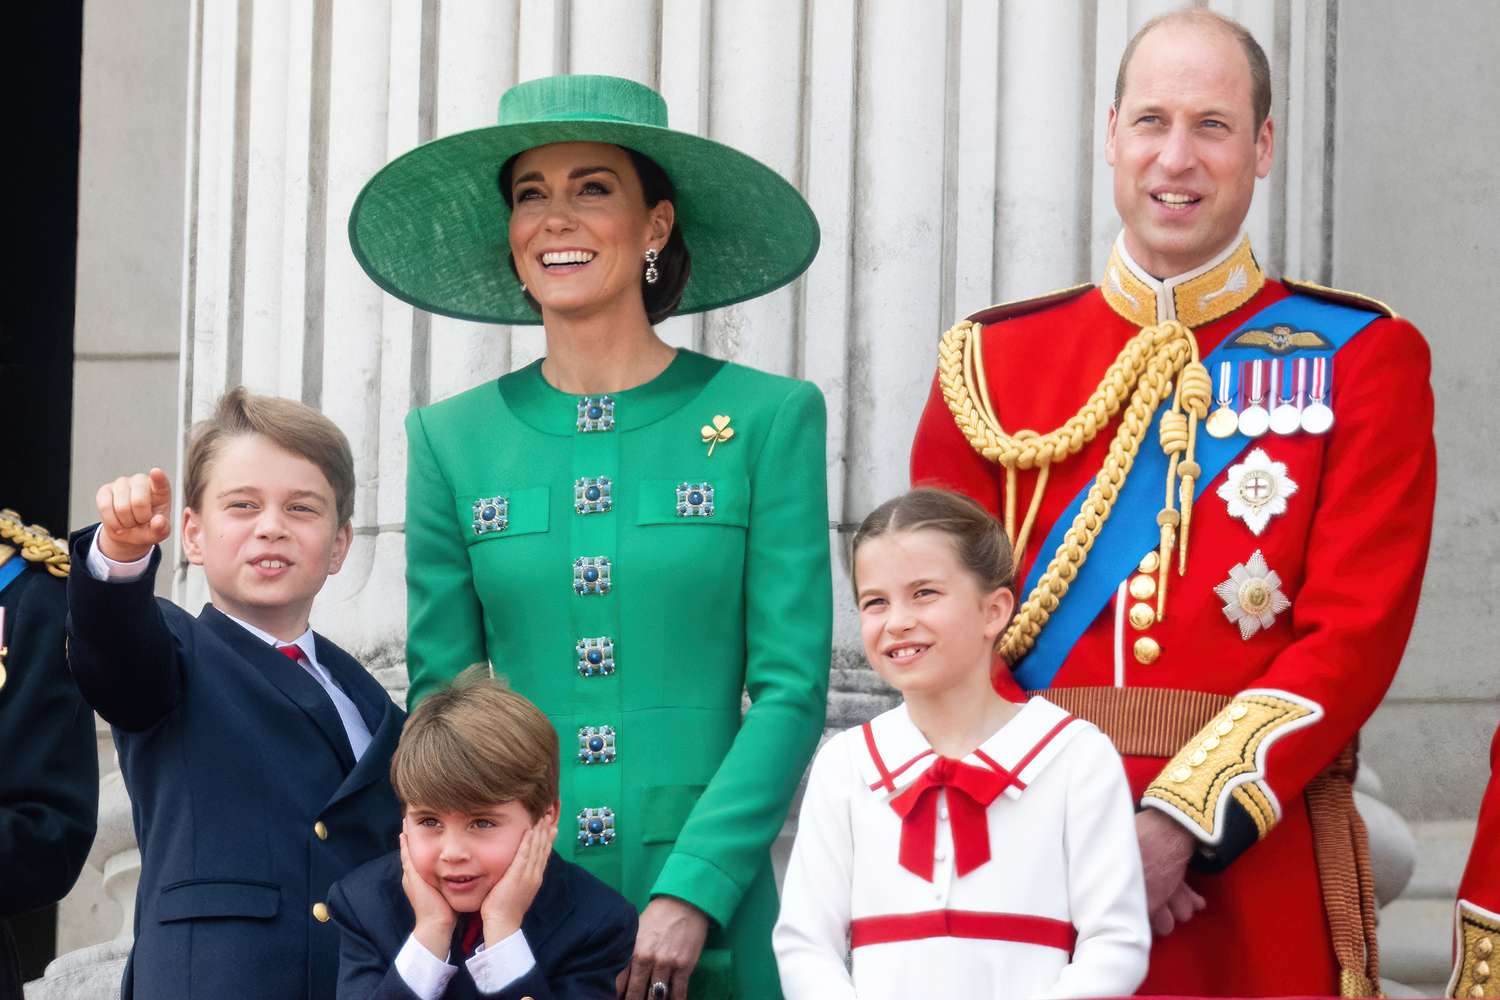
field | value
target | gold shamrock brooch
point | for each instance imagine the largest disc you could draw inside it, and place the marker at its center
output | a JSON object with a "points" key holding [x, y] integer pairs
{"points": [[716, 433]]}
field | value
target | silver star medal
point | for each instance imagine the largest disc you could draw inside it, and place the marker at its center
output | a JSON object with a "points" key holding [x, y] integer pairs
{"points": [[1252, 595], [1256, 490]]}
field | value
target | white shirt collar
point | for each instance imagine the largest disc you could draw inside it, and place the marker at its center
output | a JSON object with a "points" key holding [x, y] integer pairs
{"points": [[1025, 745], [303, 642]]}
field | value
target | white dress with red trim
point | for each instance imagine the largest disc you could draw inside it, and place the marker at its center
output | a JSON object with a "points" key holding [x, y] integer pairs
{"points": [[1013, 872]]}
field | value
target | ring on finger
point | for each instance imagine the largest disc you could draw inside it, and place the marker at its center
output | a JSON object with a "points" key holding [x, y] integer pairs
{"points": [[659, 990]]}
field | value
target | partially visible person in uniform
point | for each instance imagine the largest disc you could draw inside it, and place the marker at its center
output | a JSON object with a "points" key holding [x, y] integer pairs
{"points": [[1220, 488], [255, 751], [476, 903], [1476, 922], [636, 535], [961, 844], [49, 768]]}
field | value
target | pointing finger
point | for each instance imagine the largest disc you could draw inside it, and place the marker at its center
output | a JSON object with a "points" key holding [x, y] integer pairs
{"points": [[161, 488]]}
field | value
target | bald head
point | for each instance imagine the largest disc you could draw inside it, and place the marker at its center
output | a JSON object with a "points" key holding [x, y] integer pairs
{"points": [[1198, 18]]}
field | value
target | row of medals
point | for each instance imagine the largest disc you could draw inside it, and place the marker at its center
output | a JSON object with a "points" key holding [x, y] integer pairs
{"points": [[1283, 396]]}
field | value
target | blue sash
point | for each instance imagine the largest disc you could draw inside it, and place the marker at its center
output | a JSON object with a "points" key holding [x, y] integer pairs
{"points": [[14, 567], [1131, 530]]}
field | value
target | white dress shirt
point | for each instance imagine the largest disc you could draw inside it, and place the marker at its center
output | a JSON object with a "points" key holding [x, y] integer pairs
{"points": [[1062, 851], [102, 567], [492, 969]]}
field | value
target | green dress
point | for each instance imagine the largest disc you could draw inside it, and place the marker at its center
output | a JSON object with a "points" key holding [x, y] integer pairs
{"points": [[633, 585]]}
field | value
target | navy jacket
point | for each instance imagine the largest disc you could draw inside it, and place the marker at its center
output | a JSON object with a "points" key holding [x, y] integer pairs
{"points": [[580, 931], [246, 799], [49, 763]]}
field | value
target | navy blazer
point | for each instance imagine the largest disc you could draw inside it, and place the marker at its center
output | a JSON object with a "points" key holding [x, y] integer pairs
{"points": [[246, 798], [580, 931]]}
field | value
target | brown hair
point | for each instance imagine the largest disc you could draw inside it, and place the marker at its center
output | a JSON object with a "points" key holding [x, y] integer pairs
{"points": [[291, 425], [978, 538], [673, 265], [476, 743], [1260, 68]]}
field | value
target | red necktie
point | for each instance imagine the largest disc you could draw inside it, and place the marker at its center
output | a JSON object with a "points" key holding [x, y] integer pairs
{"points": [[293, 653], [470, 940], [970, 791]]}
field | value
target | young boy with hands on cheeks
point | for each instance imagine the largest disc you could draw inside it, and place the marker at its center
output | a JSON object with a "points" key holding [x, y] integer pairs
{"points": [[254, 750], [475, 903], [960, 843]]}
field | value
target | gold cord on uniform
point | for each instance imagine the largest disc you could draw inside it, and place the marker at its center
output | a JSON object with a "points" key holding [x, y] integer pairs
{"points": [[1141, 376], [35, 543]]}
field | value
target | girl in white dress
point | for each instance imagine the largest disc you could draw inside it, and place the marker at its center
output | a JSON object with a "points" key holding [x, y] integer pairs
{"points": [[959, 845]]}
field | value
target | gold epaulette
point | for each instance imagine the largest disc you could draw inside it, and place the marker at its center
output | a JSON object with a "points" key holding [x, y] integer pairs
{"points": [[1340, 296], [36, 543], [1478, 948], [1020, 307]]}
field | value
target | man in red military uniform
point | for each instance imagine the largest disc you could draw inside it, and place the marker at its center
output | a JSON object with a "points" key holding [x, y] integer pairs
{"points": [[1476, 925], [1223, 545]]}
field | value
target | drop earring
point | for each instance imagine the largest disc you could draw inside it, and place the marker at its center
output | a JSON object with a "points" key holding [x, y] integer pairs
{"points": [[651, 273]]}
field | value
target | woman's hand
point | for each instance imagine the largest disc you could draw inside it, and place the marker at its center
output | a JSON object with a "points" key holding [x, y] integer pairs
{"points": [[667, 946], [435, 918], [511, 896]]}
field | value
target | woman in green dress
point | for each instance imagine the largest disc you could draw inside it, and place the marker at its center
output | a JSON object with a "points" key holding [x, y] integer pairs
{"points": [[635, 535]]}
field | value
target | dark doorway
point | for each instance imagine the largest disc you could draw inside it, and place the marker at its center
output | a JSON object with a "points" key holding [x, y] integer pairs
{"points": [[41, 65]]}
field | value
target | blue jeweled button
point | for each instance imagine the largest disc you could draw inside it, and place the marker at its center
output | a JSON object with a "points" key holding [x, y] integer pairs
{"points": [[591, 575], [491, 514], [596, 413], [695, 500], [596, 826], [592, 495], [596, 745], [596, 656]]}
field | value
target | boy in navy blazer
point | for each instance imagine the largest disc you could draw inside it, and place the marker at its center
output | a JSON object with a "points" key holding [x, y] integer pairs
{"points": [[255, 752], [475, 903]]}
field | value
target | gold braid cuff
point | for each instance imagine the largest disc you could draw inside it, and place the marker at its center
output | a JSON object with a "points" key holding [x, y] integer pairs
{"points": [[35, 542], [1141, 376], [1227, 760], [1478, 947]]}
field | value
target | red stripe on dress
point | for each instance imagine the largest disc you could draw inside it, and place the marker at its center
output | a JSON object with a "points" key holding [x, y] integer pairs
{"points": [[1020, 928], [885, 776], [902, 769], [995, 766], [1064, 724]]}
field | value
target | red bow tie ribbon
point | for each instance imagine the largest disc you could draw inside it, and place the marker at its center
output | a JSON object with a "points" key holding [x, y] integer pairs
{"points": [[970, 791]]}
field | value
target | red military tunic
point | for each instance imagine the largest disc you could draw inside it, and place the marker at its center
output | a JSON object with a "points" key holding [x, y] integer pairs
{"points": [[1476, 925], [1265, 714]]}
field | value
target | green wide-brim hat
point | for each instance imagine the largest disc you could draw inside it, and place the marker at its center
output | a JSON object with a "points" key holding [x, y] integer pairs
{"points": [[431, 227]]}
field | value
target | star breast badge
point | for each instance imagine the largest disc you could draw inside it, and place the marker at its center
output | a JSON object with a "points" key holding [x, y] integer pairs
{"points": [[1256, 490], [1252, 595]]}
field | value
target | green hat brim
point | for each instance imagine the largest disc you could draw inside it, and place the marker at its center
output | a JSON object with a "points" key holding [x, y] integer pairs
{"points": [[431, 227]]}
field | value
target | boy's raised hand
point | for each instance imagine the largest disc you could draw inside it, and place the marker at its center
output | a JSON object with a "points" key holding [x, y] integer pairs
{"points": [[435, 918], [135, 514], [506, 904]]}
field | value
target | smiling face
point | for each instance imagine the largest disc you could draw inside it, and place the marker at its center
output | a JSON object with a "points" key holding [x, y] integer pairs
{"points": [[926, 625], [580, 228], [464, 853], [1185, 147], [267, 534]]}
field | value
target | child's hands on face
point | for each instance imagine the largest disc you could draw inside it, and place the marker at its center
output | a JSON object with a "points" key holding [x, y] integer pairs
{"points": [[507, 902], [134, 514], [435, 918]]}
